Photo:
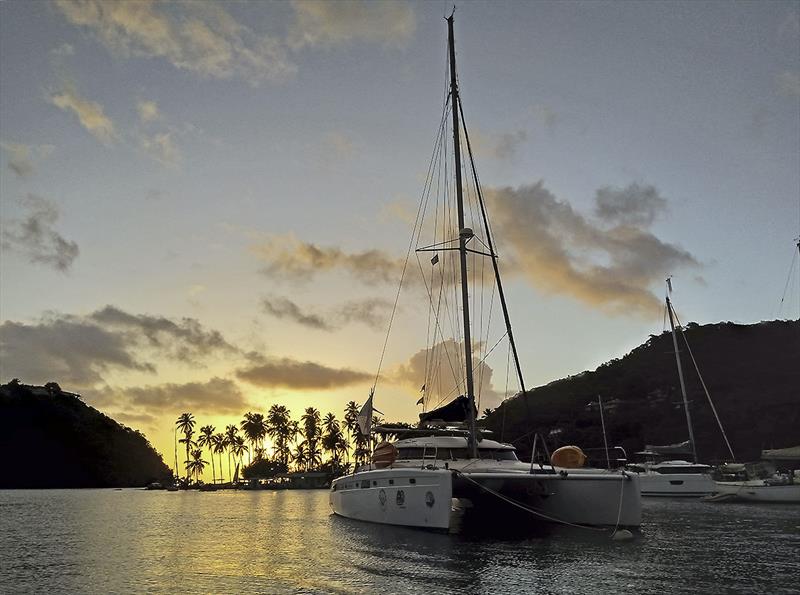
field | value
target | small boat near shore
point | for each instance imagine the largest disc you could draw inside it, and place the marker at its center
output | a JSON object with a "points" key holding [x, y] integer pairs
{"points": [[756, 490], [756, 482]]}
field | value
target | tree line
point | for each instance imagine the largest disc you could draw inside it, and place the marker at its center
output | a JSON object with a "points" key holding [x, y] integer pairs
{"points": [[312, 443]]}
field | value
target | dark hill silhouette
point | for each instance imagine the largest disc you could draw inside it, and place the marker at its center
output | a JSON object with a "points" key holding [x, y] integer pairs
{"points": [[752, 372], [52, 439]]}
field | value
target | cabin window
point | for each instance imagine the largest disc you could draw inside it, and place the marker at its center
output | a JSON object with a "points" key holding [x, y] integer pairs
{"points": [[391, 482], [409, 453], [412, 480], [365, 483], [374, 483]]}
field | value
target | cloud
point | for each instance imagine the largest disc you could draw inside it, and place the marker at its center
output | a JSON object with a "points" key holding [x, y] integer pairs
{"points": [[497, 146], [81, 350], [36, 238], [184, 340], [547, 116], [282, 307], [294, 374], [148, 111], [64, 49], [21, 157], [323, 23], [89, 113], [371, 312], [560, 251], [199, 37], [162, 148], [633, 205], [215, 396], [287, 257], [441, 369], [789, 83]]}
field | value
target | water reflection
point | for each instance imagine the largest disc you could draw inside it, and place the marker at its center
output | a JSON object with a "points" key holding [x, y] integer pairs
{"points": [[99, 541]]}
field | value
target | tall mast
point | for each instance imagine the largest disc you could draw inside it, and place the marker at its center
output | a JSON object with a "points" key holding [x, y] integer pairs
{"points": [[464, 235], [680, 373]]}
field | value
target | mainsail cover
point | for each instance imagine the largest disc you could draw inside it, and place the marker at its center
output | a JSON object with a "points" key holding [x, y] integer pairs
{"points": [[456, 410]]}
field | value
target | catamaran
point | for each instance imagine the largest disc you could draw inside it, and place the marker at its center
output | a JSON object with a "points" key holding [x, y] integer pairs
{"points": [[447, 474]]}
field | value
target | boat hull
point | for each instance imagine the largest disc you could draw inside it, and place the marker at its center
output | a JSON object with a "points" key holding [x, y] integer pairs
{"points": [[676, 485], [407, 497], [593, 499], [503, 501], [757, 492]]}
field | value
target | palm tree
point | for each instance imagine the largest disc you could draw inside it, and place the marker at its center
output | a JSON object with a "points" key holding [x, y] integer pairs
{"points": [[255, 428], [230, 437], [218, 444], [185, 424], [332, 438], [206, 439], [312, 433], [238, 448], [301, 457], [351, 411], [281, 429], [196, 464]]}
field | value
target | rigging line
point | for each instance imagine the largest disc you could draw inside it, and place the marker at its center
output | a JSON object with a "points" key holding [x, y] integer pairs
{"points": [[495, 265], [700, 376], [436, 216], [788, 279], [436, 317], [403, 273], [505, 395]]}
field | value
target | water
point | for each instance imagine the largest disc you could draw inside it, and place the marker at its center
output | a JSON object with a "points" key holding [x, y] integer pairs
{"points": [[103, 541]]}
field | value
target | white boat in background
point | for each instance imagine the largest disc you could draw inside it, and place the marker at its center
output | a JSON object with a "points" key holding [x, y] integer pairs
{"points": [[756, 482], [757, 490], [451, 476], [673, 478]]}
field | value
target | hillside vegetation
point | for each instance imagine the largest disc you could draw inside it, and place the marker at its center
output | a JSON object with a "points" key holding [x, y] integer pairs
{"points": [[52, 439], [751, 371]]}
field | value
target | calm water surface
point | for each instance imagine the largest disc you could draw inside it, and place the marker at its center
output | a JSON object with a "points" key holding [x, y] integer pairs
{"points": [[104, 541]]}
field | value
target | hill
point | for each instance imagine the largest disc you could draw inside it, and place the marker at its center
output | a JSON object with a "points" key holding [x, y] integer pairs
{"points": [[52, 439], [751, 371]]}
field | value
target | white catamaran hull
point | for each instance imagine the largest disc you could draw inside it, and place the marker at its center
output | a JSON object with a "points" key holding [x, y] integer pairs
{"points": [[756, 491], [586, 497], [407, 497], [684, 485]]}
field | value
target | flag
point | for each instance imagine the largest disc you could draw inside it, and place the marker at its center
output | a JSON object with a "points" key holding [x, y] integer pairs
{"points": [[435, 259], [365, 416], [422, 389], [421, 401], [669, 284]]}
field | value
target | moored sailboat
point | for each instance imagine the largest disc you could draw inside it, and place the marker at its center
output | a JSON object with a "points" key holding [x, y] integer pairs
{"points": [[663, 476], [447, 473]]}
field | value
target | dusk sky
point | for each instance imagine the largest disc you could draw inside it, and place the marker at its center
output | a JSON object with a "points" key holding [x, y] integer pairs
{"points": [[203, 205]]}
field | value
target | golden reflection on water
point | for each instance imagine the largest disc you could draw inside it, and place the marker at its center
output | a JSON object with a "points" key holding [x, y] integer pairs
{"points": [[101, 541]]}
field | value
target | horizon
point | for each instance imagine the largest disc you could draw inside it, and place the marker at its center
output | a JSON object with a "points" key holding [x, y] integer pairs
{"points": [[187, 207]]}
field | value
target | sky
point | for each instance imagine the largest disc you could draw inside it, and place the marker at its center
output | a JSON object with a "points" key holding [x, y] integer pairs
{"points": [[204, 206]]}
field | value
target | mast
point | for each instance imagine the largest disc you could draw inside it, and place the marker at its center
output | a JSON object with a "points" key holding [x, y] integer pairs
{"points": [[680, 373], [464, 235]]}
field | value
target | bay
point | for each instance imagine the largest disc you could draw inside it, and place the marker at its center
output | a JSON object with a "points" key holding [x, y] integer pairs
{"points": [[124, 541]]}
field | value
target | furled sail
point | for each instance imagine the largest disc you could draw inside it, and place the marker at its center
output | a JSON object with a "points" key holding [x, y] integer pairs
{"points": [[456, 410]]}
